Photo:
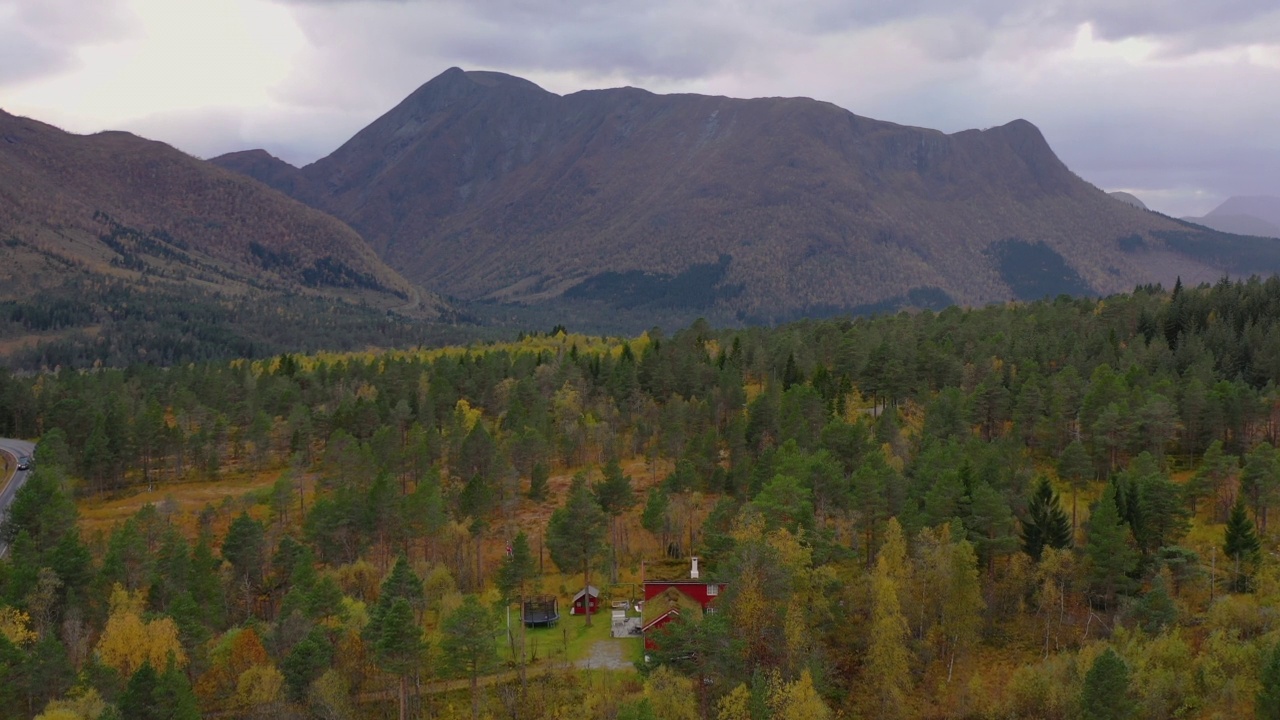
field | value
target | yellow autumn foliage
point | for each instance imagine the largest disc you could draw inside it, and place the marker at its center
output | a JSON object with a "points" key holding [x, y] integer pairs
{"points": [[798, 700], [469, 415], [16, 626], [736, 705], [259, 685], [87, 705], [60, 714], [128, 641], [671, 695]]}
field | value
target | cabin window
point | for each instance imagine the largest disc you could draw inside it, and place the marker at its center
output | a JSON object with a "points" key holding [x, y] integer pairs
{"points": [[713, 590]]}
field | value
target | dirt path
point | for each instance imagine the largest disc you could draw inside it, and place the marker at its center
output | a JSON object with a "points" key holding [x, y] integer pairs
{"points": [[606, 655]]}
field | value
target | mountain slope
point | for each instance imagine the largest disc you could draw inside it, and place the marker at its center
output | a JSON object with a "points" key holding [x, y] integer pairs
{"points": [[62, 189], [109, 221], [487, 187]]}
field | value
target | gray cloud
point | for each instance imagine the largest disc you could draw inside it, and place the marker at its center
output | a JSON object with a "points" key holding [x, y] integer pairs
{"points": [[23, 57], [1190, 135], [39, 38], [1189, 125]]}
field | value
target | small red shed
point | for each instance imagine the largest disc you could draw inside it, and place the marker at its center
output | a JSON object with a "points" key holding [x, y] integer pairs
{"points": [[585, 601]]}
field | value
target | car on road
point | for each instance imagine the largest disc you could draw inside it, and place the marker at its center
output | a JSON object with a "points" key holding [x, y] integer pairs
{"points": [[24, 464]]}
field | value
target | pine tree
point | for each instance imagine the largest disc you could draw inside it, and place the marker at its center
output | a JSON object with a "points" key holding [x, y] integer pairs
{"points": [[516, 569], [205, 582], [870, 498], [174, 699], [467, 644], [1165, 518], [138, 701], [158, 696], [1046, 524], [576, 533], [1111, 556], [400, 584], [1075, 467], [1260, 480], [615, 496], [1241, 544], [989, 523], [245, 548], [538, 482], [306, 662], [655, 517], [1105, 695], [399, 647]]}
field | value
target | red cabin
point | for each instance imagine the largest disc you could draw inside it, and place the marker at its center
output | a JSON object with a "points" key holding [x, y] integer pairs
{"points": [[585, 601], [665, 599]]}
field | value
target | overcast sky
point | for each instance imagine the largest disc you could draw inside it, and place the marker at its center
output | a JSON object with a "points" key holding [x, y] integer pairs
{"points": [[1177, 101]]}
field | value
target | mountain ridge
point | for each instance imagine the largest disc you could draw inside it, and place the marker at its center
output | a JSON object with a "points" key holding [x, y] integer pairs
{"points": [[487, 187], [140, 243]]}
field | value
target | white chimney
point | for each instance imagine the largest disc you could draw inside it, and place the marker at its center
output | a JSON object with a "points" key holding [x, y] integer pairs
{"points": [[693, 574]]}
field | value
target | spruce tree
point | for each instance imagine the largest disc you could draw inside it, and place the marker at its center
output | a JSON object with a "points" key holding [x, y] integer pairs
{"points": [[1046, 524], [400, 584], [1105, 695], [1241, 544]]}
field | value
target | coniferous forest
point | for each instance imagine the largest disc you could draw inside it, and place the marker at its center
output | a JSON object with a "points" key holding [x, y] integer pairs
{"points": [[1057, 509]]}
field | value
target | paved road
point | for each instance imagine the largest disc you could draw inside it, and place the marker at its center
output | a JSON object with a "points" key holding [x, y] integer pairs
{"points": [[14, 449]]}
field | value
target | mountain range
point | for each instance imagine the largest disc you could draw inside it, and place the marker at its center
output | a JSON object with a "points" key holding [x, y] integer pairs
{"points": [[486, 187], [611, 210]]}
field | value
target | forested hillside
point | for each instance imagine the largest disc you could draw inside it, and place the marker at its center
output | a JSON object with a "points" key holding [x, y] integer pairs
{"points": [[116, 250], [1060, 509]]}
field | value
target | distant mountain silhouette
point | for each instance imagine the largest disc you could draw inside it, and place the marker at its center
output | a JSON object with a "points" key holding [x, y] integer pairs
{"points": [[484, 186], [1257, 215], [1129, 198]]}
